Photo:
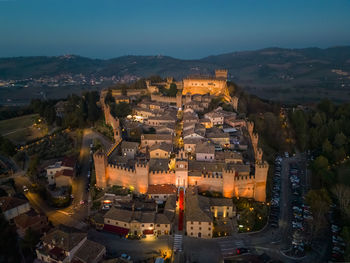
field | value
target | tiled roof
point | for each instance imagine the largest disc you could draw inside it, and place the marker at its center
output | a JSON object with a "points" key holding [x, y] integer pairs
{"points": [[89, 251], [64, 237], [161, 146], [164, 137], [197, 207], [129, 145], [205, 147], [162, 219], [220, 202], [158, 165], [69, 162], [7, 203], [27, 219], [161, 189]]}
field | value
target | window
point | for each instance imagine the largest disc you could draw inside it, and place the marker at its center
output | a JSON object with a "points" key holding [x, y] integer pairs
{"points": [[151, 225], [200, 228], [191, 222], [199, 223], [158, 225], [191, 234], [108, 221], [124, 224], [166, 225], [143, 225], [191, 227], [209, 223]]}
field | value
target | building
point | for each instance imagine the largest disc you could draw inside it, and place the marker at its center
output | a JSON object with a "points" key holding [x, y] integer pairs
{"points": [[129, 149], [65, 244], [31, 220], [161, 192], [68, 164], [160, 120], [160, 150], [124, 222], [198, 217], [12, 207], [147, 140], [205, 152], [215, 118]]}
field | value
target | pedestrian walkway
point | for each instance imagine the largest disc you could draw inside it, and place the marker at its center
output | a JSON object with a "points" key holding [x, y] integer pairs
{"points": [[228, 248], [177, 243]]}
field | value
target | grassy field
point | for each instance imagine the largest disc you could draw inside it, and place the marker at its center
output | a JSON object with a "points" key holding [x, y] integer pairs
{"points": [[22, 129]]}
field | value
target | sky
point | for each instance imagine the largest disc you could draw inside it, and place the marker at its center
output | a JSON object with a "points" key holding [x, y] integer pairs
{"points": [[184, 29]]}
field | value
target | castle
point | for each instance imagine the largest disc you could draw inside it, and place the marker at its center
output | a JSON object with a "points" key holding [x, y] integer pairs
{"points": [[231, 179]]}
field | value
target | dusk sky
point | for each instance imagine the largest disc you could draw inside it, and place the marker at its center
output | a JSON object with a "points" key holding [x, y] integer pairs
{"points": [[183, 29]]}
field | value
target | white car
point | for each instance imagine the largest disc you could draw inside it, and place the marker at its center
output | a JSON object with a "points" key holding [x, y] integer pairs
{"points": [[25, 188]]}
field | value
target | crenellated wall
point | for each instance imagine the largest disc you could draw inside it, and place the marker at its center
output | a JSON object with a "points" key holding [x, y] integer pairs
{"points": [[165, 99], [109, 119], [162, 177]]}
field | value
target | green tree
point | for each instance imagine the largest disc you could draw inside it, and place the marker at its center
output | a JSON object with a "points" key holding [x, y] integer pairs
{"points": [[319, 202], [340, 140], [33, 167], [327, 149], [7, 147]]}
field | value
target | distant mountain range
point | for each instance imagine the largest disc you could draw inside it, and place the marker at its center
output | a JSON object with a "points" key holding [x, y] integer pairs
{"points": [[281, 74]]}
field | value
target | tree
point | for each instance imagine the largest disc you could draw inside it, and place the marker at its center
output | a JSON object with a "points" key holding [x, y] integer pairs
{"points": [[7, 147], [33, 167], [121, 110], [342, 193], [340, 139], [172, 90], [317, 119], [319, 202], [327, 148]]}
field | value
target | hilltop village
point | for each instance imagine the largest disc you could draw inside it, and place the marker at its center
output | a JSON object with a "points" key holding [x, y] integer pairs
{"points": [[184, 150]]}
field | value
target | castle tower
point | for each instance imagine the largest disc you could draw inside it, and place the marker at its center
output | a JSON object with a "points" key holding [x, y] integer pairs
{"points": [[181, 170], [221, 73], [261, 171], [100, 161], [228, 177], [169, 80], [141, 177], [179, 99]]}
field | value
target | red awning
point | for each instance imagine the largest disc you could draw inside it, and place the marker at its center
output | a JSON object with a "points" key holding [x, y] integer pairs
{"points": [[116, 229], [148, 232]]}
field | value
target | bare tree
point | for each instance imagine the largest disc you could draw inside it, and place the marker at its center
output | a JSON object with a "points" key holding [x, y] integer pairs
{"points": [[342, 192]]}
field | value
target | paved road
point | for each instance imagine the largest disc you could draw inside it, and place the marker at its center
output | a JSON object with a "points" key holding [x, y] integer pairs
{"points": [[137, 249], [76, 212], [270, 241]]}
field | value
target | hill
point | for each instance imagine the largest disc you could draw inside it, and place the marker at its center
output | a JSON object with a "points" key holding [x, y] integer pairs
{"points": [[289, 75]]}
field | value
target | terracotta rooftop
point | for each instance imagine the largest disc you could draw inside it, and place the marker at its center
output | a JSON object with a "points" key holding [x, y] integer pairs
{"points": [[27, 219], [161, 189], [69, 162], [7, 203], [64, 237]]}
